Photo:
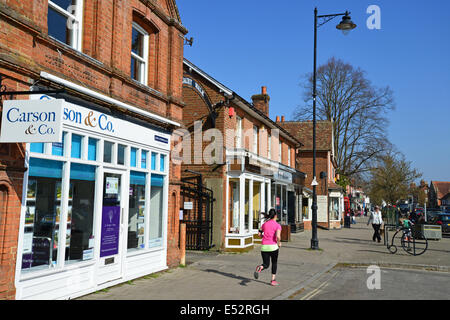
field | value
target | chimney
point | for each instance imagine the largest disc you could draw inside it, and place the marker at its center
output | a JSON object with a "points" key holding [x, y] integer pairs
{"points": [[261, 101], [282, 118], [278, 119]]}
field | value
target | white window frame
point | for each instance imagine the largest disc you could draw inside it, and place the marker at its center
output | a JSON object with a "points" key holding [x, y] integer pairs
{"points": [[76, 33], [255, 139], [143, 61], [279, 151], [289, 156], [238, 132]]}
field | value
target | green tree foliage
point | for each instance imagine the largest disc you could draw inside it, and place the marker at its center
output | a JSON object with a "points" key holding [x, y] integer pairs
{"points": [[391, 179]]}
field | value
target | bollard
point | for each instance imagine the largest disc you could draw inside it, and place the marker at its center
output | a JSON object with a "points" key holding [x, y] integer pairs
{"points": [[182, 244]]}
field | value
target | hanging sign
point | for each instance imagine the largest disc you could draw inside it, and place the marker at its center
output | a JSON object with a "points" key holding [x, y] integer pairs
{"points": [[32, 120]]}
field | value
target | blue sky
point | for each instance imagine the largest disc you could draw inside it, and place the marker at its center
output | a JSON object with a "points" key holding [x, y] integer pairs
{"points": [[246, 44]]}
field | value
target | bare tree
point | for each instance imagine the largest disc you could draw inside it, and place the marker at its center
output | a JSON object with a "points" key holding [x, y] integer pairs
{"points": [[358, 111]]}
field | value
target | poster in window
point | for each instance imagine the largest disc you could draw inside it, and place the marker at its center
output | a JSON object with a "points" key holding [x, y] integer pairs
{"points": [[112, 185], [109, 243]]}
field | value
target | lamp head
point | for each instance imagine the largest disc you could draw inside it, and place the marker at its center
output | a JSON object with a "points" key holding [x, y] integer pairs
{"points": [[346, 24]]}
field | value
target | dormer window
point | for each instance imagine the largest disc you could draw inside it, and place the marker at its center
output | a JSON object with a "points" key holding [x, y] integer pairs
{"points": [[64, 21], [139, 54]]}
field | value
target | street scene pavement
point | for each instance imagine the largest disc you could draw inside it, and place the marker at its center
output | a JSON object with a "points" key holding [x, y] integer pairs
{"points": [[339, 270]]}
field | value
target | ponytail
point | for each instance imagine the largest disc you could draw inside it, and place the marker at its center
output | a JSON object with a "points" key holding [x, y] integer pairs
{"points": [[272, 213]]}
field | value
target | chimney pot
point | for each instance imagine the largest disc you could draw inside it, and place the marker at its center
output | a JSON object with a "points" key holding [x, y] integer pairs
{"points": [[282, 118], [263, 90], [278, 119]]}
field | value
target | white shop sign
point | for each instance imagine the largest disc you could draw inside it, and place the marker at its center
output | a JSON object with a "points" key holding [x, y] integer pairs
{"points": [[81, 117], [32, 120]]}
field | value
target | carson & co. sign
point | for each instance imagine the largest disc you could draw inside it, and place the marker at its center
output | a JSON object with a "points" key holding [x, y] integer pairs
{"points": [[32, 120]]}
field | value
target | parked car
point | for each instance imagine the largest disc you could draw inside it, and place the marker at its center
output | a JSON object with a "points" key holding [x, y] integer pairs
{"points": [[443, 219], [431, 214], [404, 208]]}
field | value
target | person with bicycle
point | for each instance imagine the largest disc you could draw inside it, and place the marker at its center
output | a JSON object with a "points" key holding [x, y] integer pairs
{"points": [[407, 223]]}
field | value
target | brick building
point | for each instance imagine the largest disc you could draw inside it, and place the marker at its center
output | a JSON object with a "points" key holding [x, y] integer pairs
{"points": [[119, 64], [329, 194], [439, 194], [246, 160]]}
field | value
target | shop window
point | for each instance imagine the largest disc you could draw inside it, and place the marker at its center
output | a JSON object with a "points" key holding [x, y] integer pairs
{"points": [[64, 21], [92, 149], [139, 53], [80, 213], [162, 162], [121, 154], [107, 151], [256, 204], [136, 213], [153, 164], [58, 147], [43, 205], [143, 159], [305, 209], [156, 210], [37, 147], [334, 208], [246, 207], [133, 158], [233, 219], [76, 146]]}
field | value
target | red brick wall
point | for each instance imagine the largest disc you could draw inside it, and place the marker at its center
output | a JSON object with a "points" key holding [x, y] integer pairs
{"points": [[103, 65], [305, 161]]}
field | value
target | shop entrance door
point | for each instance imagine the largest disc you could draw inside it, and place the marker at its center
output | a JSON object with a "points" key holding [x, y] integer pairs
{"points": [[111, 226]]}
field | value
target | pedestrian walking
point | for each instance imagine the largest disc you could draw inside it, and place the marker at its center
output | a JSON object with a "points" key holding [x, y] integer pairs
{"points": [[377, 220], [352, 214], [270, 246]]}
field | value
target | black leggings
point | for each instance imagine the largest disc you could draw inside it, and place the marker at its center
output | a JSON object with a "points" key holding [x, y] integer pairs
{"points": [[267, 256]]}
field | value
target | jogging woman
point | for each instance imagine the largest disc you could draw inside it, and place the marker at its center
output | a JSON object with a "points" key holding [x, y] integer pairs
{"points": [[271, 242]]}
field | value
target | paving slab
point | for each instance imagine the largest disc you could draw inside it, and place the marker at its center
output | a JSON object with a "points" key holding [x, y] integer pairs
{"points": [[229, 276]]}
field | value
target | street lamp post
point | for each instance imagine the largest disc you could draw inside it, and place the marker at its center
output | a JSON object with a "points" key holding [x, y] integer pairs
{"points": [[345, 26]]}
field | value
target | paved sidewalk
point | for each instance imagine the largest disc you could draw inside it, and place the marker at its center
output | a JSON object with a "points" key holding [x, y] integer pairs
{"points": [[229, 276]]}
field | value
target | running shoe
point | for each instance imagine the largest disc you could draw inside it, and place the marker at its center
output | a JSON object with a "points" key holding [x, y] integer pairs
{"points": [[274, 283], [257, 271]]}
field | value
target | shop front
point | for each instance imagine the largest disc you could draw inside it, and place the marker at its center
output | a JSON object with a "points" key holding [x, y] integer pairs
{"points": [[248, 195], [94, 209], [286, 192]]}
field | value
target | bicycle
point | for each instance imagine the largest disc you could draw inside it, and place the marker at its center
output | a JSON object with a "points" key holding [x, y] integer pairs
{"points": [[413, 242]]}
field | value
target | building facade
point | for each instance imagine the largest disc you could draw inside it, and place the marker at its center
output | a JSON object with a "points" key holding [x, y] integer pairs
{"points": [[99, 206], [244, 158], [438, 194], [330, 196]]}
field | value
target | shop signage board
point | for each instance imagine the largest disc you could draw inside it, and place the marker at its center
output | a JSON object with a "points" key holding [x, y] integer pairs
{"points": [[32, 120], [77, 116], [283, 176]]}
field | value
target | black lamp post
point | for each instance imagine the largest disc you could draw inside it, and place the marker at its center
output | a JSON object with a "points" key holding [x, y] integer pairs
{"points": [[345, 26]]}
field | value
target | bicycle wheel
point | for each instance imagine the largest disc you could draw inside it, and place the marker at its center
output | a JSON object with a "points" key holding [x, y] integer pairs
{"points": [[415, 243], [392, 248]]}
